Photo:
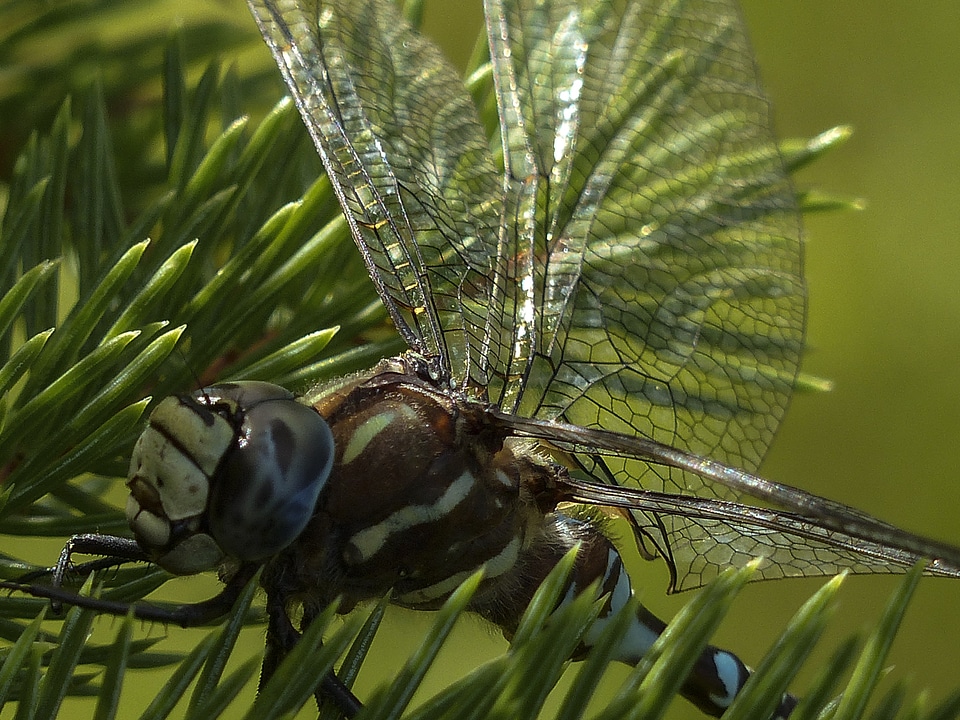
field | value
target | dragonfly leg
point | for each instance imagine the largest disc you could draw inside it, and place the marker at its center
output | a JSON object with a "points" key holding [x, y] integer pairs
{"points": [[191, 615], [281, 638], [718, 674], [115, 551], [108, 546]]}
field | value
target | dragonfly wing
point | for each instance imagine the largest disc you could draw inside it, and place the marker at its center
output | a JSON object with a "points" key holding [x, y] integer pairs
{"points": [[659, 227], [721, 534], [407, 157], [796, 533], [655, 232]]}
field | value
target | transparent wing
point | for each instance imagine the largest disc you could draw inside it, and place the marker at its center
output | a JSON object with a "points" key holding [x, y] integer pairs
{"points": [[666, 240], [720, 534], [795, 533], [408, 159]]}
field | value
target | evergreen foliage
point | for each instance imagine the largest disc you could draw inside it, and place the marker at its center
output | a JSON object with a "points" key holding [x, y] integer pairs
{"points": [[154, 238]]}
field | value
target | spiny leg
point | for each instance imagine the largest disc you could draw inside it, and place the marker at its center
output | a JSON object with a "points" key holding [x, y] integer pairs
{"points": [[281, 639], [718, 674], [114, 550], [191, 615]]}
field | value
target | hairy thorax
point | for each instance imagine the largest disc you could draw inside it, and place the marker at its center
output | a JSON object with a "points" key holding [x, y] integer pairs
{"points": [[421, 495]]}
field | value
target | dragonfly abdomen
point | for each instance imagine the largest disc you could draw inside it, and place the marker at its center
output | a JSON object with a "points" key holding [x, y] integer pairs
{"points": [[718, 674]]}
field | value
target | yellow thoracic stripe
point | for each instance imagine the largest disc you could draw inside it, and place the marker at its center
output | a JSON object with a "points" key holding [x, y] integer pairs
{"points": [[369, 429], [368, 542]]}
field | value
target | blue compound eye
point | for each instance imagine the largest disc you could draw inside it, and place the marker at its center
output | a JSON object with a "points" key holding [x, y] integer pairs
{"points": [[265, 489]]}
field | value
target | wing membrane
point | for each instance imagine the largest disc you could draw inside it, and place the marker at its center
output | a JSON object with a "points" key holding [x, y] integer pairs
{"points": [[796, 534], [408, 159], [720, 534], [667, 243], [667, 248]]}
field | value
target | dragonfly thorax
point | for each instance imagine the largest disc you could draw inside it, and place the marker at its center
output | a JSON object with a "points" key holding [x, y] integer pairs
{"points": [[231, 471], [420, 496]]}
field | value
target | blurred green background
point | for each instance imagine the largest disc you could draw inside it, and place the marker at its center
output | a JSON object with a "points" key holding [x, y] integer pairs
{"points": [[884, 289]]}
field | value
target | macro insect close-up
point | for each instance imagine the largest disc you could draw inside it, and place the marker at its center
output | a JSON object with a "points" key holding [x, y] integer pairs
{"points": [[591, 252]]}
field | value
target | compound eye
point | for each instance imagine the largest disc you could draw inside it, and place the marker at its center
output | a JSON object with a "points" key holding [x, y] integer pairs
{"points": [[265, 490]]}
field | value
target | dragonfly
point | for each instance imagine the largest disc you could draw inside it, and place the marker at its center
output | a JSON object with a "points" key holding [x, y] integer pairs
{"points": [[604, 307]]}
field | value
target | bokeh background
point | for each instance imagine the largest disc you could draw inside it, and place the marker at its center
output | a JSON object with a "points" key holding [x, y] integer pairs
{"points": [[884, 288], [884, 321]]}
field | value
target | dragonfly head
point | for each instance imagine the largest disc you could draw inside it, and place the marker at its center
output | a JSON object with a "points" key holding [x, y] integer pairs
{"points": [[231, 471]]}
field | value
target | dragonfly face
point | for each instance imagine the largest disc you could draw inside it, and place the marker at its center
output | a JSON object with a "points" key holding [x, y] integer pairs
{"points": [[234, 470], [619, 284]]}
